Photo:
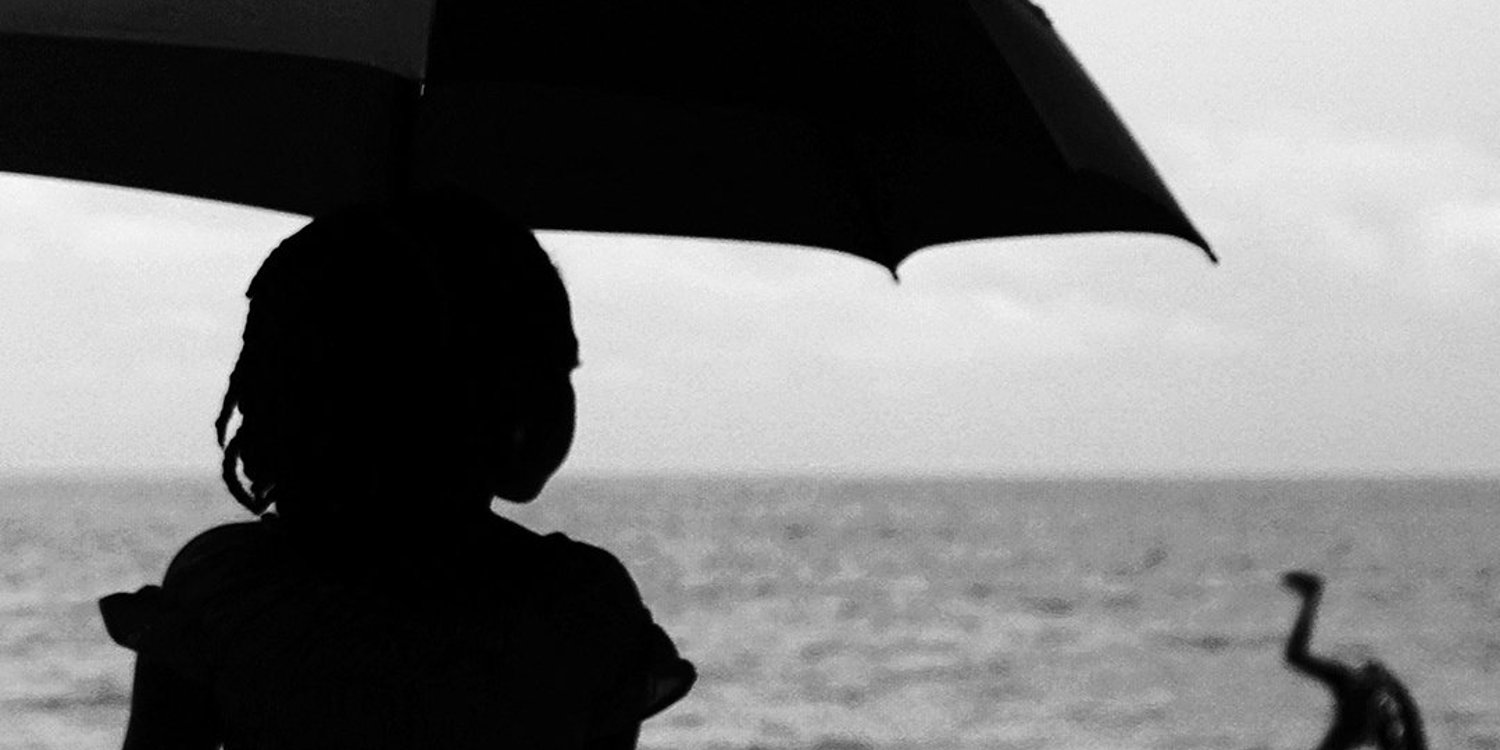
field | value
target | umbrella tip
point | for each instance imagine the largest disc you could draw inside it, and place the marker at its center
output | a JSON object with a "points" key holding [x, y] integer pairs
{"points": [[1203, 244], [1192, 235]]}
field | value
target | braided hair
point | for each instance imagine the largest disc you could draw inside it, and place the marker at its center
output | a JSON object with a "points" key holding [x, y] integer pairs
{"points": [[387, 338]]}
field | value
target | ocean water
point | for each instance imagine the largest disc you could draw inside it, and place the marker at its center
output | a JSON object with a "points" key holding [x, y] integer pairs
{"points": [[842, 615]]}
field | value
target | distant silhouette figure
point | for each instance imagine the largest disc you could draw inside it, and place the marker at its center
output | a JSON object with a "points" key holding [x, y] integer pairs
{"points": [[402, 366], [1370, 706]]}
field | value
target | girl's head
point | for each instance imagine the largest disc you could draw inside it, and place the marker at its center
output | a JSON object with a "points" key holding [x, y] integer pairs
{"points": [[416, 352]]}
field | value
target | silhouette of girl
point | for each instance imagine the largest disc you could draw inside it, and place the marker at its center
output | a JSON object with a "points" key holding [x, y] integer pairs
{"points": [[402, 366], [1370, 706]]}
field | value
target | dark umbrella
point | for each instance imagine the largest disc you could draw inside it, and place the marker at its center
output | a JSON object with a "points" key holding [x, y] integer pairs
{"points": [[876, 127]]}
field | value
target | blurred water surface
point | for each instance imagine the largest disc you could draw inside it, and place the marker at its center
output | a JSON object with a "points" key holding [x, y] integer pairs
{"points": [[845, 614]]}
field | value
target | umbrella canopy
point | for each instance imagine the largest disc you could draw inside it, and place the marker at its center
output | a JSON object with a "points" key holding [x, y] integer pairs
{"points": [[876, 127]]}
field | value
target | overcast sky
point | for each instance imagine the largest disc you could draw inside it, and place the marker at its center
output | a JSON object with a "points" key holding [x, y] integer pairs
{"points": [[1343, 158]]}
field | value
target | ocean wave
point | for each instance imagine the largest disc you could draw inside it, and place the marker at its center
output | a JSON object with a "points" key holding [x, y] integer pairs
{"points": [[1052, 606], [1214, 643], [96, 693]]}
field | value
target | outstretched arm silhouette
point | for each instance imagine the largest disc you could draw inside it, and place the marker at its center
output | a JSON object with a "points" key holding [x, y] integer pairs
{"points": [[1371, 707], [1327, 671]]}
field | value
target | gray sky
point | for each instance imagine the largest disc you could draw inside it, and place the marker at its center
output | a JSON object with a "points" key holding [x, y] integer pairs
{"points": [[1343, 158]]}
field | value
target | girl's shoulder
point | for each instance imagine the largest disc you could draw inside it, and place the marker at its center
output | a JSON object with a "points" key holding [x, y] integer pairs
{"points": [[220, 545], [564, 568], [172, 621], [225, 558], [598, 575]]}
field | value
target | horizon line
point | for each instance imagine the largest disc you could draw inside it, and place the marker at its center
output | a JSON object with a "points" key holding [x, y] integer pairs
{"points": [[182, 473]]}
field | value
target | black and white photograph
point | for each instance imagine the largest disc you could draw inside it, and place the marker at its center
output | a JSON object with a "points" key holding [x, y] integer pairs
{"points": [[731, 375]]}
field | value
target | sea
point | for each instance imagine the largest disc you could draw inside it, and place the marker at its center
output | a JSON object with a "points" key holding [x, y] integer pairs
{"points": [[874, 614]]}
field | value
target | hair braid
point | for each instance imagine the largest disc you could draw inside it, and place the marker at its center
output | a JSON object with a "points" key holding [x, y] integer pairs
{"points": [[231, 477]]}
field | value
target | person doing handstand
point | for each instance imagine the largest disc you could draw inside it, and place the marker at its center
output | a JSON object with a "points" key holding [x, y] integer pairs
{"points": [[403, 364], [1371, 707]]}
